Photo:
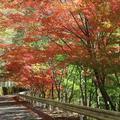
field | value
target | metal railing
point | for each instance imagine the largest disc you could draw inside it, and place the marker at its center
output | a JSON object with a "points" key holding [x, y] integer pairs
{"points": [[83, 110]]}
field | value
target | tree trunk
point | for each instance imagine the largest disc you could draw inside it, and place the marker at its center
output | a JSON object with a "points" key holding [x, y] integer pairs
{"points": [[85, 89], [72, 92], [96, 96], [100, 85], [52, 91]]}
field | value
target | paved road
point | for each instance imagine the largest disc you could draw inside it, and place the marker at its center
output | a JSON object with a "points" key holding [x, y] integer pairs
{"points": [[11, 110]]}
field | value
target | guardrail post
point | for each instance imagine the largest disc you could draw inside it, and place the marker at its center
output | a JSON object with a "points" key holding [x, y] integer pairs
{"points": [[81, 117], [50, 107]]}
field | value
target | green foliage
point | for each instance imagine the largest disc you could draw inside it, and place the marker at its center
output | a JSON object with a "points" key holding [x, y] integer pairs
{"points": [[41, 43], [18, 38], [60, 58]]}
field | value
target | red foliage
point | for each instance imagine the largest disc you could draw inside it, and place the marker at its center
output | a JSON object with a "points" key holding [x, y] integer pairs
{"points": [[83, 30]]}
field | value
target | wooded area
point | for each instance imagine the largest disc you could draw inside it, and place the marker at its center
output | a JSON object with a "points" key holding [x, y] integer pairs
{"points": [[66, 50]]}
